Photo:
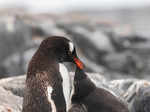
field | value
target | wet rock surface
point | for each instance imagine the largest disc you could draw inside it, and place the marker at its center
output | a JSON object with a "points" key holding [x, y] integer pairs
{"points": [[133, 92]]}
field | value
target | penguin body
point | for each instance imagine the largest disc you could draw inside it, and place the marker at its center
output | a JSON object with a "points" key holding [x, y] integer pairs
{"points": [[48, 87], [95, 99]]}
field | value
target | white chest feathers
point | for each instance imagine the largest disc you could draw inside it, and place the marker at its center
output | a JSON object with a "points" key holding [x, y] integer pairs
{"points": [[66, 84], [49, 92]]}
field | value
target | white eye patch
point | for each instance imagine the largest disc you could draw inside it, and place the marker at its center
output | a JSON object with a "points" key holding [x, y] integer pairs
{"points": [[71, 47]]}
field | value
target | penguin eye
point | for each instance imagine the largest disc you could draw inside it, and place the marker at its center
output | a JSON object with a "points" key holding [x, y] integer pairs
{"points": [[71, 47]]}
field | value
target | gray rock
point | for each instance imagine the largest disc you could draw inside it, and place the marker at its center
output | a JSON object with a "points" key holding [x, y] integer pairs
{"points": [[15, 37], [15, 84], [135, 92], [102, 46], [141, 101], [9, 102], [124, 53]]}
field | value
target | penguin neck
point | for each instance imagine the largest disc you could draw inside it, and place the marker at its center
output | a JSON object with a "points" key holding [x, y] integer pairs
{"points": [[79, 75], [83, 85]]}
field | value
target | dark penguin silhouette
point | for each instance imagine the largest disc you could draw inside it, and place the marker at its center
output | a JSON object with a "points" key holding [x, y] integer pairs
{"points": [[94, 99], [48, 83]]}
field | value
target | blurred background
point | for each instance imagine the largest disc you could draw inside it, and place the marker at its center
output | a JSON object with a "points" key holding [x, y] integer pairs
{"points": [[112, 36]]}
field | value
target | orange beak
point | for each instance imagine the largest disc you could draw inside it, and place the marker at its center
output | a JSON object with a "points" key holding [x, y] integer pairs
{"points": [[78, 63]]}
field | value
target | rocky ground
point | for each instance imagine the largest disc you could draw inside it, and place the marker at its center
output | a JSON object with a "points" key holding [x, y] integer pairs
{"points": [[133, 92]]}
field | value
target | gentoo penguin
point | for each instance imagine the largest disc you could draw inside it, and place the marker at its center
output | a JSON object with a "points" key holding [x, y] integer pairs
{"points": [[47, 82], [94, 99]]}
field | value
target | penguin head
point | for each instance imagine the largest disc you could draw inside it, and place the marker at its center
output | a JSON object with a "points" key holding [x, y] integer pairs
{"points": [[62, 49]]}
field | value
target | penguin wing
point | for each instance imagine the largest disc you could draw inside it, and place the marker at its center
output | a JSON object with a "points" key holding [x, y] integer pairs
{"points": [[35, 95], [54, 90]]}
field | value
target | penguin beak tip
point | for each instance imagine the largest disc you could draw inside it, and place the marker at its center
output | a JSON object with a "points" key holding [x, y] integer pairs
{"points": [[78, 63]]}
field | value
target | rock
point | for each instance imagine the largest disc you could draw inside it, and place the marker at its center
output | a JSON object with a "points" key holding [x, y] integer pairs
{"points": [[15, 85], [124, 53], [101, 45], [11, 95], [133, 92], [141, 101], [126, 62], [17, 63], [9, 102], [14, 39]]}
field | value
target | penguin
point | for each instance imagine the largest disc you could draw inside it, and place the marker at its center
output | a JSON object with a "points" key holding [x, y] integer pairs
{"points": [[48, 87], [93, 98]]}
